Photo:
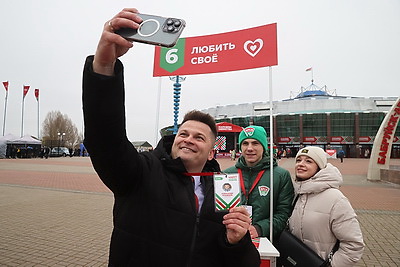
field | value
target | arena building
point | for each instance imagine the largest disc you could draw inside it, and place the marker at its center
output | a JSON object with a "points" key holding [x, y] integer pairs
{"points": [[313, 117]]}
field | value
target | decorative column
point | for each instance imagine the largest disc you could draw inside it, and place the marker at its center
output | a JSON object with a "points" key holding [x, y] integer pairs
{"points": [[177, 98]]}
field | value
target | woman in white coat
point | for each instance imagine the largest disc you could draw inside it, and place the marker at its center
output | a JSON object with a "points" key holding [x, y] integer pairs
{"points": [[322, 214]]}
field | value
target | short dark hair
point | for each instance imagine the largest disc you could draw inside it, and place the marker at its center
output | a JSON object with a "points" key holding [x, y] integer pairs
{"points": [[205, 118]]}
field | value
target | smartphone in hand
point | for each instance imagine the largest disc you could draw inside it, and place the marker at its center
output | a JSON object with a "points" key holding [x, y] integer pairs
{"points": [[155, 30]]}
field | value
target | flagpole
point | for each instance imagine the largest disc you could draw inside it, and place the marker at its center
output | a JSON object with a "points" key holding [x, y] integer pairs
{"points": [[5, 106], [38, 119], [5, 113], [271, 156], [24, 92], [38, 130], [157, 112], [312, 74], [22, 117]]}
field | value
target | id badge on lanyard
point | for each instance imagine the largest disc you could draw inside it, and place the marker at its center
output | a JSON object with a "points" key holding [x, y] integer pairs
{"points": [[226, 191], [245, 192]]}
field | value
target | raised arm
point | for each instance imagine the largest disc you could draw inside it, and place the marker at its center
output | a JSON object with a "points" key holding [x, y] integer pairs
{"points": [[111, 45], [104, 106]]}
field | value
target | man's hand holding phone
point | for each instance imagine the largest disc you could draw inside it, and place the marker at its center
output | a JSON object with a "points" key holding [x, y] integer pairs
{"points": [[155, 30], [129, 26], [111, 46]]}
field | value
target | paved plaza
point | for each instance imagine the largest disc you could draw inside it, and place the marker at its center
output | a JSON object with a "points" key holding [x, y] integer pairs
{"points": [[56, 212]]}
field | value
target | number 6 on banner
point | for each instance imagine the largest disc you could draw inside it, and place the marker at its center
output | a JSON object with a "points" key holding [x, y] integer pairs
{"points": [[173, 58]]}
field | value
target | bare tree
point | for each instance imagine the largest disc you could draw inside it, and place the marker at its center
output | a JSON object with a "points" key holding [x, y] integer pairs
{"points": [[59, 130]]}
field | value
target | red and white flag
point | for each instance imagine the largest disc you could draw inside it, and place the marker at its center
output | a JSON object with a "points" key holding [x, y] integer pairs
{"points": [[26, 89], [309, 69], [37, 94], [5, 85]]}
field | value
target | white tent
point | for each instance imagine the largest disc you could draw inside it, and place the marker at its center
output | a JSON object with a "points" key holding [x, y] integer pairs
{"points": [[4, 140], [26, 140], [11, 139], [3, 148]]}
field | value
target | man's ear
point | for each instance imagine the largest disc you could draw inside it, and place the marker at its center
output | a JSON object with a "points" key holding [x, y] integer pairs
{"points": [[211, 154]]}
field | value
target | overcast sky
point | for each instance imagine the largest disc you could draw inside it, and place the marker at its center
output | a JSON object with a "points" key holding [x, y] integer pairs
{"points": [[352, 45]]}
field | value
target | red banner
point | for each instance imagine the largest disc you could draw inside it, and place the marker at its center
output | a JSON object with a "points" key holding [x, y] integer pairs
{"points": [[5, 85], [226, 127], [37, 94], [26, 89], [284, 139], [311, 139], [365, 139], [238, 50]]}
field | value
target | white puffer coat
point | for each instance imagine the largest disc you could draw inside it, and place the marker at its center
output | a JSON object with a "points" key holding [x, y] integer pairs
{"points": [[322, 215]]}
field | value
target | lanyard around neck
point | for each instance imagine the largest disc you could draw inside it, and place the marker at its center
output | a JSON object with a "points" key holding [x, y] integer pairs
{"points": [[259, 175], [199, 173]]}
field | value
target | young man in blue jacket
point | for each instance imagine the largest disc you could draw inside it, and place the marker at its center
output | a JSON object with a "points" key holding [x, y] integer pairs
{"points": [[164, 210]]}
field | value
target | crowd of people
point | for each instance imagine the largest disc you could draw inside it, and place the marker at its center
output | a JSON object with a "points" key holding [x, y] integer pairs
{"points": [[164, 200], [38, 151]]}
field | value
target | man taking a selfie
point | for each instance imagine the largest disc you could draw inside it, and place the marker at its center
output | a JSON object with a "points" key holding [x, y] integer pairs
{"points": [[164, 209]]}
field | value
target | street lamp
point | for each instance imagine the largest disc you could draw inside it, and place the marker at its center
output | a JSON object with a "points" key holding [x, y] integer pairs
{"points": [[60, 139]]}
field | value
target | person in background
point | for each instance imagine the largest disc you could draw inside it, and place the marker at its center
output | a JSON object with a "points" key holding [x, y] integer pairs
{"points": [[164, 207], [254, 170], [233, 154], [322, 215], [46, 152], [341, 155], [366, 153]]}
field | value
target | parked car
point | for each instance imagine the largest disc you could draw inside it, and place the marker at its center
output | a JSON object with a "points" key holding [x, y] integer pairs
{"points": [[59, 152]]}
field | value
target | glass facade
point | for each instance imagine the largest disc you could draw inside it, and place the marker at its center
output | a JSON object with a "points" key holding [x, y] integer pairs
{"points": [[262, 121], [342, 124], [398, 129], [223, 120], [350, 124], [288, 125], [314, 124], [242, 122], [370, 123]]}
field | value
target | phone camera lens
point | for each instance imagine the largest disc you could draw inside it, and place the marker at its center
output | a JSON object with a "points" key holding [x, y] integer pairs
{"points": [[170, 28], [170, 22], [177, 23]]}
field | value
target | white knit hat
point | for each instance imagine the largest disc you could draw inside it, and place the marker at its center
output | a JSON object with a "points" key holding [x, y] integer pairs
{"points": [[316, 153]]}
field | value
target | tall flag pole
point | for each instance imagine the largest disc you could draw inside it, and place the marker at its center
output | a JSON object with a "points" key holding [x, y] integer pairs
{"points": [[5, 106], [37, 99], [312, 74], [24, 92], [271, 153]]}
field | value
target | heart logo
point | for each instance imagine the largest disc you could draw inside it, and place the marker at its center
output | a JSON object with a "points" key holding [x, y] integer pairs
{"points": [[253, 47]]}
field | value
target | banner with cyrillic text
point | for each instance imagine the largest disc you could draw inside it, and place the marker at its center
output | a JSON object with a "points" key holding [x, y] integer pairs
{"points": [[238, 50]]}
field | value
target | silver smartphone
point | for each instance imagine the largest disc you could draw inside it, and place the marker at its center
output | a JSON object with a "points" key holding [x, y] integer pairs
{"points": [[155, 30]]}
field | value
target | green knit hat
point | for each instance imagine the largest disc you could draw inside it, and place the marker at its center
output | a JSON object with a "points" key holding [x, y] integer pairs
{"points": [[254, 132]]}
